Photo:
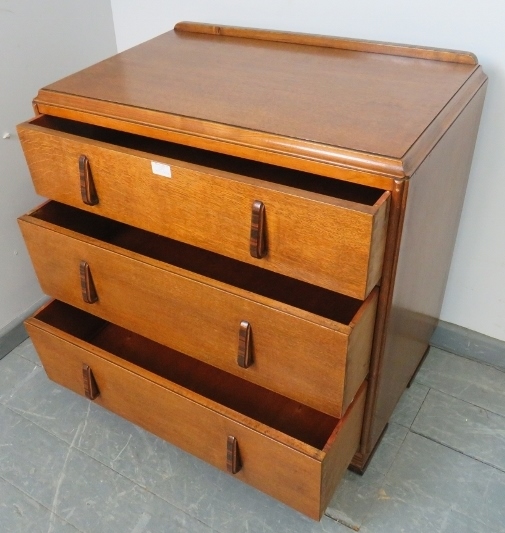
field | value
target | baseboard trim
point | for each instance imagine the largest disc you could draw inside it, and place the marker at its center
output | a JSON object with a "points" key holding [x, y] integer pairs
{"points": [[470, 344], [14, 333]]}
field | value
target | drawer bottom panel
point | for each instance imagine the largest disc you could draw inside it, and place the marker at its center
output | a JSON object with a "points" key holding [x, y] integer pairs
{"points": [[285, 449]]}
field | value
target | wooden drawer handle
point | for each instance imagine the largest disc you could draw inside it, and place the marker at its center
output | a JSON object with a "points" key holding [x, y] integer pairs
{"points": [[88, 191], [233, 463], [88, 290], [258, 240], [90, 387], [245, 348]]}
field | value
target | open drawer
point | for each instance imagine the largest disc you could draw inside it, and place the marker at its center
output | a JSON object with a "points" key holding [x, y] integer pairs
{"points": [[319, 230], [283, 448], [300, 340]]}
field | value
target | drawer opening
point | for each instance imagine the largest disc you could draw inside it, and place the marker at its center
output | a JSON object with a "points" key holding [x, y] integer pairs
{"points": [[284, 176], [299, 294], [283, 414]]}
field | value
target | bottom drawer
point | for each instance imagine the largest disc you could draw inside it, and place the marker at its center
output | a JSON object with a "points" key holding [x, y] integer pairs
{"points": [[285, 449]]}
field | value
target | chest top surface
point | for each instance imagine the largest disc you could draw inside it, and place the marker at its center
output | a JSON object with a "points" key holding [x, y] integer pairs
{"points": [[358, 100]]}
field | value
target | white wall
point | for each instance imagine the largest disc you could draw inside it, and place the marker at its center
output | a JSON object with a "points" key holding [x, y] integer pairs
{"points": [[40, 42], [475, 296]]}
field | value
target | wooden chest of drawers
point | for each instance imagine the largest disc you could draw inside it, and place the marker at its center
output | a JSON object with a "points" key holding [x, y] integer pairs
{"points": [[248, 238]]}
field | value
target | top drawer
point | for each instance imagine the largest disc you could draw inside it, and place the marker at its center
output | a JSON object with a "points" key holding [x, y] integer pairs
{"points": [[319, 230]]}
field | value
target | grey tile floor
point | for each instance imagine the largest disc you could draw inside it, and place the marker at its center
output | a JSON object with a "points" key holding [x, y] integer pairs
{"points": [[67, 465]]}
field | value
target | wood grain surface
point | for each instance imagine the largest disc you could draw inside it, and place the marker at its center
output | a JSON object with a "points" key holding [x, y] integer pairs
{"points": [[317, 238], [282, 466], [273, 223], [327, 41], [313, 359], [431, 218], [305, 93]]}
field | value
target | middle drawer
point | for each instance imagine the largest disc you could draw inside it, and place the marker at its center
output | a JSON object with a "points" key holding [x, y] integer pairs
{"points": [[302, 341]]}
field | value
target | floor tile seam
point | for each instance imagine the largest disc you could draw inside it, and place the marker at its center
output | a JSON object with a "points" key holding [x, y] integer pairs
{"points": [[470, 358], [445, 506], [433, 386], [420, 407], [367, 513], [396, 454], [458, 451], [142, 487], [384, 474], [351, 528], [402, 424], [370, 513], [3, 357], [76, 447], [419, 379], [21, 351], [29, 496], [12, 392], [28, 359], [22, 415], [366, 518], [17, 349], [464, 401], [80, 450], [475, 519], [422, 507]]}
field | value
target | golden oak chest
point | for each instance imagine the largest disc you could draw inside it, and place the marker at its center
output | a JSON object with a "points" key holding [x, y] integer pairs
{"points": [[248, 238]]}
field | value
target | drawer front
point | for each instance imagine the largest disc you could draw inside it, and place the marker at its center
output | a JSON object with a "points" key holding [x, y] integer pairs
{"points": [[312, 237], [319, 365], [283, 467]]}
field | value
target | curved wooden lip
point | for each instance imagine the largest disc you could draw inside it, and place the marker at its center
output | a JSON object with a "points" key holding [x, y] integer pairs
{"points": [[233, 140], [169, 126], [343, 43], [340, 162]]}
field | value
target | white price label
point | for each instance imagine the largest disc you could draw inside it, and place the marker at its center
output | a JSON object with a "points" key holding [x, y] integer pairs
{"points": [[161, 169]]}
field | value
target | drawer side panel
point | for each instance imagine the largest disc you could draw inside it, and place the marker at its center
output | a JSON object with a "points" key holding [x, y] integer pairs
{"points": [[379, 233], [341, 448]]}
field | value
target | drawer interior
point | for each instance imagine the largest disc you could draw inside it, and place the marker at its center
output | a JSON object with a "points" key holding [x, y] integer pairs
{"points": [[311, 298], [292, 418], [273, 174]]}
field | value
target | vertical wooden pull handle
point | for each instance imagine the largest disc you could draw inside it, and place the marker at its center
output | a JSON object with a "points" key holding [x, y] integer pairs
{"points": [[245, 346], [90, 387], [233, 463], [258, 240], [88, 290], [88, 191]]}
